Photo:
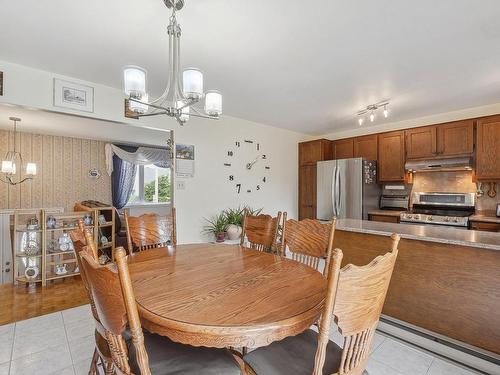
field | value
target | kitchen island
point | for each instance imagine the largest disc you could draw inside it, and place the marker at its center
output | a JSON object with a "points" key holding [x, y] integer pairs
{"points": [[445, 280]]}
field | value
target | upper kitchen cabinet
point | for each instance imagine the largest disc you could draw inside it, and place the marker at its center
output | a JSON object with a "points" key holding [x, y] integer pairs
{"points": [[450, 139], [343, 148], [455, 138], [421, 142], [313, 151], [488, 149], [391, 156], [366, 147]]}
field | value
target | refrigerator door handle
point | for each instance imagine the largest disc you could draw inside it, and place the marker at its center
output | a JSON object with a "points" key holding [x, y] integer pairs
{"points": [[338, 193], [334, 182]]}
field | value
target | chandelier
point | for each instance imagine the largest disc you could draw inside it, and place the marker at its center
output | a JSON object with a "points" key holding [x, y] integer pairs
{"points": [[13, 160], [181, 94], [372, 109]]}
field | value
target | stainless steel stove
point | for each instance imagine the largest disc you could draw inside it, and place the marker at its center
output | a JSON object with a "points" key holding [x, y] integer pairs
{"points": [[450, 209]]}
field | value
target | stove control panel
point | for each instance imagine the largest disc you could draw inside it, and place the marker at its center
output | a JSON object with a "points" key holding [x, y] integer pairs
{"points": [[434, 219]]}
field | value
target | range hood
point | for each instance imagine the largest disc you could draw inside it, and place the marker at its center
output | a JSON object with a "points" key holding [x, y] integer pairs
{"points": [[428, 165]]}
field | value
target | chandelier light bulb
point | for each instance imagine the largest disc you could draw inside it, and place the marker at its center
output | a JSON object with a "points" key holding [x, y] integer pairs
{"points": [[386, 111], [184, 117], [8, 167], [213, 103], [372, 117], [360, 121], [134, 81], [31, 169], [192, 83]]}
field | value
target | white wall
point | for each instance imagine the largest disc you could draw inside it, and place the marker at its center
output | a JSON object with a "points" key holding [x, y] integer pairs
{"points": [[210, 190]]}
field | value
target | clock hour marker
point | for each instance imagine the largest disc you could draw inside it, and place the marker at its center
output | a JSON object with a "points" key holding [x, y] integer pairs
{"points": [[227, 164], [249, 191], [258, 147], [258, 187], [229, 153], [238, 186], [237, 144], [247, 141], [268, 167], [264, 179], [231, 178]]}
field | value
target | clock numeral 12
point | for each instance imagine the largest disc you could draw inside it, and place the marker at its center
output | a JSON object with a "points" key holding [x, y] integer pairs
{"points": [[237, 144], [238, 186]]}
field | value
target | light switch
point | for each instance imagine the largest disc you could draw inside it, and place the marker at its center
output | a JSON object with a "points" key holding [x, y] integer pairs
{"points": [[181, 184]]}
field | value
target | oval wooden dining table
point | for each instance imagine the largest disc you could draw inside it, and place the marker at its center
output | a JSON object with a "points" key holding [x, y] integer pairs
{"points": [[218, 295]]}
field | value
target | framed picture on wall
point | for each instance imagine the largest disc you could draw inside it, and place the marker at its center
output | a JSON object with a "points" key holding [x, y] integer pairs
{"points": [[1, 83], [73, 96]]}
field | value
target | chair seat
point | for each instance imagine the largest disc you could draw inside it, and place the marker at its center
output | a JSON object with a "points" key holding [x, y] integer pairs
{"points": [[170, 358], [293, 356]]}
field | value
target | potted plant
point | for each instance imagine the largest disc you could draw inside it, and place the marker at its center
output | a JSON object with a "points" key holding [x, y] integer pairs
{"points": [[234, 218], [217, 225]]}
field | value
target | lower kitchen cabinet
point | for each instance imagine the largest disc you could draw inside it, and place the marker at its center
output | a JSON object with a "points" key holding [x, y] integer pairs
{"points": [[487, 227], [384, 218]]}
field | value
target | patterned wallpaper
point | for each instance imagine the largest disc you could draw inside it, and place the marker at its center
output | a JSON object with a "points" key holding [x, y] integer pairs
{"points": [[454, 182], [62, 171]]}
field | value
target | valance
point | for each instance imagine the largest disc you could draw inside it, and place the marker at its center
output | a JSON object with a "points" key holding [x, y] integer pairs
{"points": [[142, 156]]}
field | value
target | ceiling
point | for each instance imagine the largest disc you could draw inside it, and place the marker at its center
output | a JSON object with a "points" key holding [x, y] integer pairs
{"points": [[307, 66]]}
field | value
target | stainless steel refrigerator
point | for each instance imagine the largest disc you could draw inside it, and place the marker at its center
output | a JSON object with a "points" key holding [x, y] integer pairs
{"points": [[347, 188]]}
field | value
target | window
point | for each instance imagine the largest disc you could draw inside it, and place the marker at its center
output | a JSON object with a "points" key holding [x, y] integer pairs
{"points": [[152, 185]]}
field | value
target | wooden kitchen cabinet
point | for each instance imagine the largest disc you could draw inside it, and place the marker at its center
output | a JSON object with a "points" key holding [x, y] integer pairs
{"points": [[421, 142], [455, 138], [443, 140], [383, 218], [483, 226], [391, 156], [366, 147], [343, 148], [309, 154], [488, 149]]}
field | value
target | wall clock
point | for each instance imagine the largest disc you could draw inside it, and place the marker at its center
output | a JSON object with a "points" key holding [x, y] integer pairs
{"points": [[247, 166]]}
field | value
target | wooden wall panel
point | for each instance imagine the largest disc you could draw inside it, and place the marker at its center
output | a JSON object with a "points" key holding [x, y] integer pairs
{"points": [[36, 189], [48, 171], [62, 171], [4, 191], [68, 172], [26, 152], [15, 190]]}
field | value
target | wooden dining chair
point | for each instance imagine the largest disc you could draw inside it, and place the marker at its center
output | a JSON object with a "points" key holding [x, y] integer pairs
{"points": [[150, 231], [308, 241], [83, 240], [354, 299], [260, 232], [112, 292]]}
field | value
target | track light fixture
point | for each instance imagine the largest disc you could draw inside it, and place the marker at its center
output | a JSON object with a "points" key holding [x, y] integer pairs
{"points": [[372, 109]]}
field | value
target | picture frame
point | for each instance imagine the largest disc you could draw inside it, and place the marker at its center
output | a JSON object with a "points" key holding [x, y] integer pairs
{"points": [[73, 95]]}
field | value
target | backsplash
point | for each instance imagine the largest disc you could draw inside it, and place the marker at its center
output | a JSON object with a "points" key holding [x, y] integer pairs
{"points": [[454, 182]]}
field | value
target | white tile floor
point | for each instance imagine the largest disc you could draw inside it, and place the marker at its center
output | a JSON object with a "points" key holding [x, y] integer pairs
{"points": [[62, 344]]}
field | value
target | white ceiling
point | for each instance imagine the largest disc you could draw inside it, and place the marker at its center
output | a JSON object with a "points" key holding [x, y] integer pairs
{"points": [[302, 65]]}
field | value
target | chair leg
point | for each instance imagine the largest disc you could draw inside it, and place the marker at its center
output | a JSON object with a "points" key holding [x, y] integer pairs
{"points": [[93, 363], [109, 368]]}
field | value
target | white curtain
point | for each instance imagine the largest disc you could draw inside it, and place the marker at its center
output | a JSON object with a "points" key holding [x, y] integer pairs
{"points": [[143, 156]]}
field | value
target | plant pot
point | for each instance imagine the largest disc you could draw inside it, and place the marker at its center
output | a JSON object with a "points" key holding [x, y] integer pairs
{"points": [[220, 237], [233, 231]]}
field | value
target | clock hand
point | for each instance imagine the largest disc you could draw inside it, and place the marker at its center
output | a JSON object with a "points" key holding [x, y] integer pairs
{"points": [[250, 165]]}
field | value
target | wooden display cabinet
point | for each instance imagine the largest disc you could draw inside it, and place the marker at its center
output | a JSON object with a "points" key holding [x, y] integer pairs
{"points": [[105, 228]]}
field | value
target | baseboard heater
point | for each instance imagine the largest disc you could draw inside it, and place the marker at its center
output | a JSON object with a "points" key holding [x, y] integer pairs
{"points": [[467, 355]]}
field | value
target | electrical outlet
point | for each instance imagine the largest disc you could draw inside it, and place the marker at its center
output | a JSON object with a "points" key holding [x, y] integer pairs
{"points": [[181, 184]]}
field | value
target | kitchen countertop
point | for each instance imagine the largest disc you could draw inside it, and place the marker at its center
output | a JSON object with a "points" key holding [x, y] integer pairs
{"points": [[485, 216], [386, 212], [453, 236]]}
